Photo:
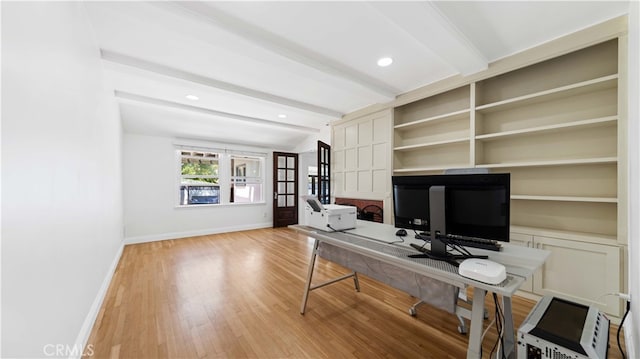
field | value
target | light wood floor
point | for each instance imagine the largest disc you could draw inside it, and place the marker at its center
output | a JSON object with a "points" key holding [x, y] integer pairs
{"points": [[237, 295]]}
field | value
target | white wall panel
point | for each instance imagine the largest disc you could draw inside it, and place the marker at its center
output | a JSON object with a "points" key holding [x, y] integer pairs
{"points": [[381, 181], [337, 160], [364, 181], [380, 156], [350, 182], [338, 185], [364, 157], [338, 139], [350, 159], [366, 169], [351, 135], [365, 133], [381, 128]]}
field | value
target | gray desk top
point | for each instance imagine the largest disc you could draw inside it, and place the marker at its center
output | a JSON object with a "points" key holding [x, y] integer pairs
{"points": [[374, 239]]}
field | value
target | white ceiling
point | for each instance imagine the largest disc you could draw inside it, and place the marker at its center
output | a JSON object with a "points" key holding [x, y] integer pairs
{"points": [[249, 62]]}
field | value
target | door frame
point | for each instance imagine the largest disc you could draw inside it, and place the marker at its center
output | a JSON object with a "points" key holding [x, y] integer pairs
{"points": [[284, 216], [324, 172]]}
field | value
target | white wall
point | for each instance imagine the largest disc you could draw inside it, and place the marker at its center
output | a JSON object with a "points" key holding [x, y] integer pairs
{"points": [[634, 174], [305, 160], [150, 186], [310, 144], [61, 178]]}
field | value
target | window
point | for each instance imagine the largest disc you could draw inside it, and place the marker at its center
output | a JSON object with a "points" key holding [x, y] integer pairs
{"points": [[246, 180], [199, 178], [220, 178]]}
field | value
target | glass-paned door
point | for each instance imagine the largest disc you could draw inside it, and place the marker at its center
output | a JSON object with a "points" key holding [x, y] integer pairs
{"points": [[285, 189], [324, 172]]}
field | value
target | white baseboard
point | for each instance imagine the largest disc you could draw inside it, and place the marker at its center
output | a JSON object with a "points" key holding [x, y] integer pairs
{"points": [[91, 317], [200, 232]]}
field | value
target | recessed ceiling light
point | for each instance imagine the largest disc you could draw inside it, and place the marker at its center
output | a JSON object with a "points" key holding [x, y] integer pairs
{"points": [[385, 61], [282, 115], [192, 97]]}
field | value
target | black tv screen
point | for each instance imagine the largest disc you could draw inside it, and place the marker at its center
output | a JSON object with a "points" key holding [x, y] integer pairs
{"points": [[478, 211], [411, 206], [476, 205]]}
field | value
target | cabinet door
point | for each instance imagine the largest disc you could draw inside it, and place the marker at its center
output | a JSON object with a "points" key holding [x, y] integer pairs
{"points": [[581, 272], [524, 240]]}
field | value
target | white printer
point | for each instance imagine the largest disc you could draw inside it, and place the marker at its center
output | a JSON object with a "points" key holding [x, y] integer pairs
{"points": [[328, 217]]}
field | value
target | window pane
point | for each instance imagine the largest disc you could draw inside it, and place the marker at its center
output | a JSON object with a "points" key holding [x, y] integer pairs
{"points": [[199, 183], [282, 162], [282, 187], [291, 200], [281, 201], [291, 175], [291, 188], [291, 162], [200, 194], [249, 193], [282, 175], [191, 166], [198, 180], [246, 167]]}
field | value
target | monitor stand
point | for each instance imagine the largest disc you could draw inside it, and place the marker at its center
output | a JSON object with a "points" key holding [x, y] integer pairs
{"points": [[437, 227], [447, 257]]}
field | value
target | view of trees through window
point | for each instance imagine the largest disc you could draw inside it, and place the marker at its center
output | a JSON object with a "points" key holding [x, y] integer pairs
{"points": [[203, 175], [199, 178], [196, 171]]}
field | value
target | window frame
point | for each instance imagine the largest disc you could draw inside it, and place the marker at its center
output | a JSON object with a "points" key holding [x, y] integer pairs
{"points": [[225, 177], [245, 179]]}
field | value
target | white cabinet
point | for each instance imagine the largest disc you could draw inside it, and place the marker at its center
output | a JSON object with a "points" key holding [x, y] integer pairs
{"points": [[524, 240], [576, 270]]}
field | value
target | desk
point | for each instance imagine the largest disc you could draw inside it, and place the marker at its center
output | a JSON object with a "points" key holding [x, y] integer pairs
{"points": [[371, 240]]}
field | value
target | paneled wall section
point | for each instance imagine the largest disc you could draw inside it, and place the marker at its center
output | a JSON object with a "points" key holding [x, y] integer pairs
{"points": [[361, 158]]}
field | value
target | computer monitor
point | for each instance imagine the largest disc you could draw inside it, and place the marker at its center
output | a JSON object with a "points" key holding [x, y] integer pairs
{"points": [[479, 209], [472, 205], [411, 205]]}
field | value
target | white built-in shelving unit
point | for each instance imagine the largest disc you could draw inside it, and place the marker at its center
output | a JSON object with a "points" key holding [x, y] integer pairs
{"points": [[555, 126], [554, 117]]}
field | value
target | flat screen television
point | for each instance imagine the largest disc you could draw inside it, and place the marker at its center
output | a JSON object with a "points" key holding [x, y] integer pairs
{"points": [[410, 205], [475, 205]]}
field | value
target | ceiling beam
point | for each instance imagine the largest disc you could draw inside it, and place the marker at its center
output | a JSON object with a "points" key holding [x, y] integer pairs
{"points": [[423, 21], [278, 45], [179, 106], [145, 65]]}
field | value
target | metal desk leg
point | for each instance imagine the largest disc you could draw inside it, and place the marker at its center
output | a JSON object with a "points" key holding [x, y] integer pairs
{"points": [[477, 317], [307, 286], [509, 339], [356, 282]]}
